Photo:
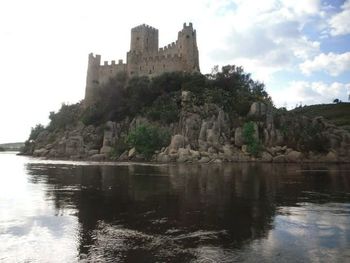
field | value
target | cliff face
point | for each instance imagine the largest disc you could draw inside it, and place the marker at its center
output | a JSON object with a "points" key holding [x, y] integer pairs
{"points": [[206, 134]]}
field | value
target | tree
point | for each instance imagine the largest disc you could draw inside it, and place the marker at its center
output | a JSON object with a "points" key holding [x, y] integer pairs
{"points": [[147, 138], [34, 133]]}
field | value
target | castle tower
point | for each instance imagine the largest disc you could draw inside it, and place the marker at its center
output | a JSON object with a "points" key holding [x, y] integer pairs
{"points": [[92, 78], [144, 39], [144, 42], [187, 44]]}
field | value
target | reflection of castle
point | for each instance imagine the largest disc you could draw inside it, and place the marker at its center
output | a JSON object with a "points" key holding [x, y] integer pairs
{"points": [[145, 58]]}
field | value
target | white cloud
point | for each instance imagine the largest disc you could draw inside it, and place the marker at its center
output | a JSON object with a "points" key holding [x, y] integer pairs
{"points": [[334, 64], [309, 93], [340, 22], [267, 36]]}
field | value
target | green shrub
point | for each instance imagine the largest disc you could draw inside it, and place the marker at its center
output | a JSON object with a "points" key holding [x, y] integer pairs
{"points": [[254, 146], [66, 116], [93, 115], [164, 109], [120, 147], [147, 138]]}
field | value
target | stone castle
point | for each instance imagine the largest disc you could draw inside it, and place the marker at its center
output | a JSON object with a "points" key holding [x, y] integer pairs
{"points": [[145, 58]]}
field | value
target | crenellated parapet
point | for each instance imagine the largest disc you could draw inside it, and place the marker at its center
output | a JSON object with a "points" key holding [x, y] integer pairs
{"points": [[146, 58]]}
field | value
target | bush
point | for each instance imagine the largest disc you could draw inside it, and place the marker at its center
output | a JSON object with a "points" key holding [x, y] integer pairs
{"points": [[165, 109], [254, 146], [146, 139], [93, 115], [66, 116]]}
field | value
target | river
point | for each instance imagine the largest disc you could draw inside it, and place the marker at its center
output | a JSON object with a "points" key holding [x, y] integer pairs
{"points": [[62, 211]]}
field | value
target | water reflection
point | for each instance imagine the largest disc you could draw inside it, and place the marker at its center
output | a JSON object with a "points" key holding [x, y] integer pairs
{"points": [[183, 213]]}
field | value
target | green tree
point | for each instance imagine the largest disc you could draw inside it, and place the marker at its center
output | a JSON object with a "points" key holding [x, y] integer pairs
{"points": [[254, 146], [34, 132], [147, 138]]}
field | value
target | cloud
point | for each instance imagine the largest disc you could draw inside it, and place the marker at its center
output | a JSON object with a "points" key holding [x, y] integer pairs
{"points": [[334, 64], [309, 93], [340, 22], [267, 49]]}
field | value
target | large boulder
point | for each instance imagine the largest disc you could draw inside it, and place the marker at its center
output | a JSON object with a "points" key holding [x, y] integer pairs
{"points": [[294, 156], [177, 141], [331, 157], [257, 109], [183, 155], [266, 157], [279, 159]]}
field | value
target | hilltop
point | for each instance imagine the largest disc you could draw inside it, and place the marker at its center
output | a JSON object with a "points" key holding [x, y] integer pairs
{"points": [[337, 113]]}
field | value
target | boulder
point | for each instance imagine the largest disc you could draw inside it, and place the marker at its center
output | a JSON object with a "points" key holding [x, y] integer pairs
{"points": [[163, 158], [97, 157], [183, 155], [239, 137], [294, 156], [124, 156], [40, 152], [195, 154], [177, 141], [227, 149], [93, 152], [257, 109], [204, 159], [106, 150], [331, 157], [131, 153], [266, 157], [279, 159]]}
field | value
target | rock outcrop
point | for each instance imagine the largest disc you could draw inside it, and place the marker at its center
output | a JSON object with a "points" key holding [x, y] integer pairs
{"points": [[206, 134]]}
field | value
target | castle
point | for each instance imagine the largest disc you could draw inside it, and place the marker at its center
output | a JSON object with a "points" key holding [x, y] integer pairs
{"points": [[145, 58]]}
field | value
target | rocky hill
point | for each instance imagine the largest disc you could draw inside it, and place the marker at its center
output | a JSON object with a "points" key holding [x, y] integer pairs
{"points": [[337, 113], [222, 117]]}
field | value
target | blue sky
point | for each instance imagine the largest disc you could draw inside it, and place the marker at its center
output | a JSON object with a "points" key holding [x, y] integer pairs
{"points": [[299, 48]]}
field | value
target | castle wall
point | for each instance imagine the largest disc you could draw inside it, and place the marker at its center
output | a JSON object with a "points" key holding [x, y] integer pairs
{"points": [[110, 70], [153, 66]]}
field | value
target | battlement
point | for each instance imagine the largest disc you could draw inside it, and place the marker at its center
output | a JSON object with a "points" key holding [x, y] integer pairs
{"points": [[189, 26], [143, 27], [112, 63]]}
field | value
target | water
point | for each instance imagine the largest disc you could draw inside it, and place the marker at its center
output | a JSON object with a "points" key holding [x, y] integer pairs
{"points": [[54, 211]]}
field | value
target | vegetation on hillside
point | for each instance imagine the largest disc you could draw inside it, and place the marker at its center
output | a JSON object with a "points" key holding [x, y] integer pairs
{"points": [[159, 98], [338, 113]]}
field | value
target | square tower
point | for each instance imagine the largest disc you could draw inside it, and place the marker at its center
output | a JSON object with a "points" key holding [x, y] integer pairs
{"points": [[144, 39]]}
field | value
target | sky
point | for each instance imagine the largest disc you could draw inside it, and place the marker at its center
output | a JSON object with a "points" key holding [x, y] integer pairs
{"points": [[300, 49]]}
